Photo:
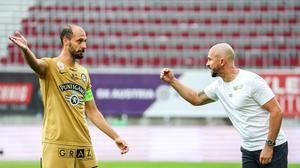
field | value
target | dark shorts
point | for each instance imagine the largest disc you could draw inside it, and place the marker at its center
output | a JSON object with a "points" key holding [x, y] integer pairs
{"points": [[250, 159]]}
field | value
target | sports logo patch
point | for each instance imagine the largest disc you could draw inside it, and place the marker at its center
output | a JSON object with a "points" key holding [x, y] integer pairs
{"points": [[74, 100], [83, 77], [60, 65]]}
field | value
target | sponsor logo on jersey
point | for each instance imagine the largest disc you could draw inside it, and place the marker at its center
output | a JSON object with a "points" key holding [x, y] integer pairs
{"points": [[238, 87], [73, 99], [84, 153], [72, 86]]}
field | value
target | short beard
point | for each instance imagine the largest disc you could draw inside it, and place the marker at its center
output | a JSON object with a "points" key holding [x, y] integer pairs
{"points": [[76, 54], [215, 73]]}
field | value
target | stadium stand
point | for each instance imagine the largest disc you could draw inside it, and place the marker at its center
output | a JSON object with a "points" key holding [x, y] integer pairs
{"points": [[157, 33]]}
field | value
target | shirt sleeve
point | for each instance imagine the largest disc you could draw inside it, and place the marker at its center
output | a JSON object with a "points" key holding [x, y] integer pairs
{"points": [[261, 91], [47, 62], [89, 94], [89, 83], [210, 91]]}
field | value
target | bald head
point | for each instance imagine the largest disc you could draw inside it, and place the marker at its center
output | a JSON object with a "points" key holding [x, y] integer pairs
{"points": [[73, 39], [69, 30], [223, 50]]}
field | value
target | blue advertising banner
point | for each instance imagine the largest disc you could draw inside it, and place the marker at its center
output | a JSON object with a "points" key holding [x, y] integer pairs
{"points": [[131, 94]]}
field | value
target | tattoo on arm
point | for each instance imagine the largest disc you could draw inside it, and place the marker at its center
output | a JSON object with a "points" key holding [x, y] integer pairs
{"points": [[201, 93], [204, 98]]}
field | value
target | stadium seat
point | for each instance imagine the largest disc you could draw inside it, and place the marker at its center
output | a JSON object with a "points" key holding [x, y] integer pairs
{"points": [[167, 33]]}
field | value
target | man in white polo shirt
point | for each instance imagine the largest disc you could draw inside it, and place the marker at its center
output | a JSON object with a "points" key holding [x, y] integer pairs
{"points": [[249, 103]]}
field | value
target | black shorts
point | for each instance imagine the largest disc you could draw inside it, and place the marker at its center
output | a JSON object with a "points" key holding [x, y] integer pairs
{"points": [[250, 159]]}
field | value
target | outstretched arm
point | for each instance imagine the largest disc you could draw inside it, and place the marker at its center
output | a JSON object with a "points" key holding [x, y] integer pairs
{"points": [[37, 65], [190, 95], [97, 118]]}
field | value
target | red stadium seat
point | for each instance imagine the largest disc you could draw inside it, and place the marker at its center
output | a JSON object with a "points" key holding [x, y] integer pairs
{"points": [[258, 62], [213, 8], [241, 21], [264, 8], [264, 48], [295, 61], [105, 60], [89, 60], [4, 60], [253, 34], [297, 8], [219, 34], [276, 61], [163, 8], [247, 47], [247, 8], [230, 8], [121, 61], [282, 47], [196, 8], [293, 21], [280, 8], [287, 34], [162, 47], [196, 47], [179, 47], [156, 61], [236, 34], [172, 61], [180, 8], [178, 27], [241, 61], [225, 21], [138, 61], [185, 34], [168, 34], [275, 21]]}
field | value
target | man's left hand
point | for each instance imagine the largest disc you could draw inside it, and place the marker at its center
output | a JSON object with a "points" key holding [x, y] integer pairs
{"points": [[122, 145], [266, 155]]}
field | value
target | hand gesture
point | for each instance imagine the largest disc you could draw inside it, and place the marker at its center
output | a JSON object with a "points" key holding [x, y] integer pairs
{"points": [[122, 145], [266, 155], [19, 40], [167, 75]]}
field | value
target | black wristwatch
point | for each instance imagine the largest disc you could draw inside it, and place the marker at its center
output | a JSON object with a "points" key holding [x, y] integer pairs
{"points": [[270, 143]]}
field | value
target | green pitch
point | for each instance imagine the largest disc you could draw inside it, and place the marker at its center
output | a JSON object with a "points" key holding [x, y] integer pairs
{"points": [[23, 164]]}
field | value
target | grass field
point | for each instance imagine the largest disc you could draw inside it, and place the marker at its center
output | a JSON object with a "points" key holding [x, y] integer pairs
{"points": [[18, 164]]}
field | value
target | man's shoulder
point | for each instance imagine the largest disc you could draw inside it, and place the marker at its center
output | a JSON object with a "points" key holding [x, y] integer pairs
{"points": [[249, 75], [251, 78], [48, 58]]}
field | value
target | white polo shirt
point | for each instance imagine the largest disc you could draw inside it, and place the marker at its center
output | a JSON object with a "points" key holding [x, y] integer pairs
{"points": [[242, 99]]}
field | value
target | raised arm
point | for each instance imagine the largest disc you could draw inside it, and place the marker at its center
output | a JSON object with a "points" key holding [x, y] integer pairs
{"points": [[37, 65], [190, 95], [97, 118]]}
